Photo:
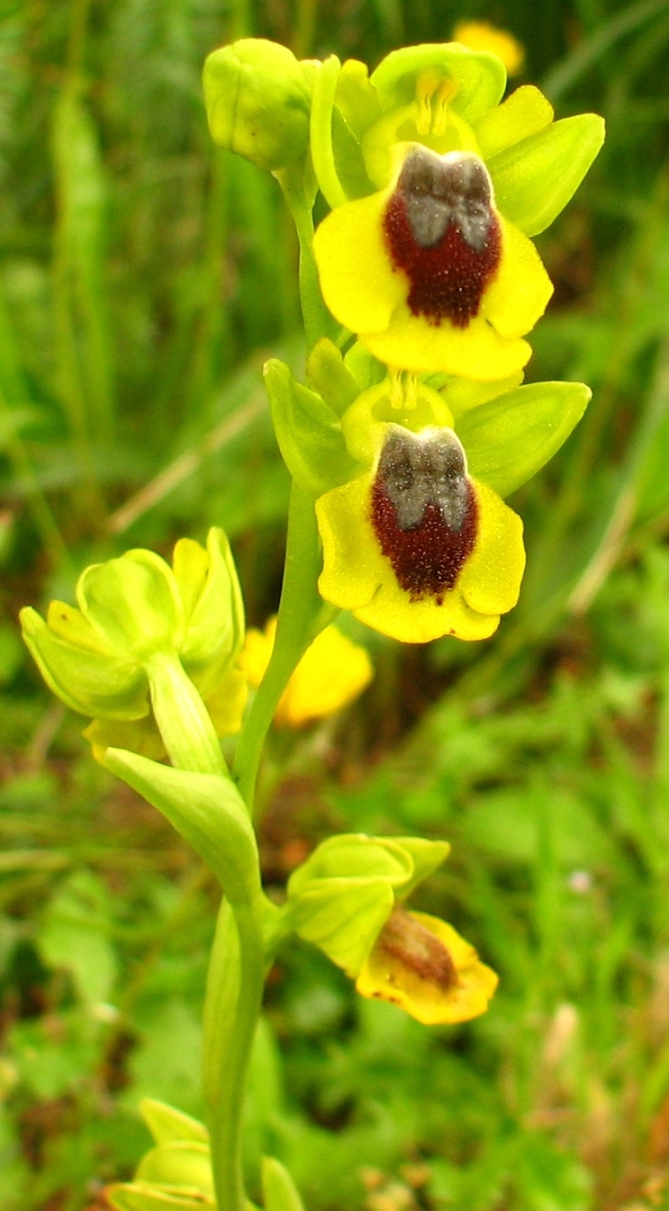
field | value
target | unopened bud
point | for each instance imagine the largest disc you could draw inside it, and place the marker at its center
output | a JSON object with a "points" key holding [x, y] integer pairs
{"points": [[258, 101]]}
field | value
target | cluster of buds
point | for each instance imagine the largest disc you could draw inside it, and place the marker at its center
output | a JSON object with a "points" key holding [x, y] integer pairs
{"points": [[409, 442]]}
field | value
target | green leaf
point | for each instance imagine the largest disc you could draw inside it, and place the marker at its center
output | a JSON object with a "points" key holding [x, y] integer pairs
{"points": [[167, 1124], [278, 1187], [536, 178], [308, 433], [208, 812], [509, 439], [75, 936]]}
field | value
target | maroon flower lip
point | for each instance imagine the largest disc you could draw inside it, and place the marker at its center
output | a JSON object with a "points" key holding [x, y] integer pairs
{"points": [[424, 511], [441, 230]]}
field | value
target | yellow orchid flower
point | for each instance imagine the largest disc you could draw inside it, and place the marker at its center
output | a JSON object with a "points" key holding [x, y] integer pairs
{"points": [[429, 273], [415, 546], [424, 966], [330, 675], [479, 35]]}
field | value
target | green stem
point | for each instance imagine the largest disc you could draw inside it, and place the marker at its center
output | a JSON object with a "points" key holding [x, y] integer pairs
{"points": [[299, 621], [317, 322], [183, 720], [234, 995]]}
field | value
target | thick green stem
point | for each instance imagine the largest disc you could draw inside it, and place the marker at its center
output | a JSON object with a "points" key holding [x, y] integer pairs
{"points": [[236, 971], [300, 619], [234, 995]]}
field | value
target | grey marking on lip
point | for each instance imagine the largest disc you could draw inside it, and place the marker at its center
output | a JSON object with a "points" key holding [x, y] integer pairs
{"points": [[439, 190], [420, 470]]}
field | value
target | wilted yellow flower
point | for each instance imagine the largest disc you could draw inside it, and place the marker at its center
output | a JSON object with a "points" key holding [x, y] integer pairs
{"points": [[479, 35], [423, 965], [332, 673]]}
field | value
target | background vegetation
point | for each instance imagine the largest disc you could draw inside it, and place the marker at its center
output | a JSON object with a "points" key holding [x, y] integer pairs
{"points": [[144, 277]]}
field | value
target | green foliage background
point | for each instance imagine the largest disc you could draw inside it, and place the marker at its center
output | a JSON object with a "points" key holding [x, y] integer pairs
{"points": [[144, 278]]}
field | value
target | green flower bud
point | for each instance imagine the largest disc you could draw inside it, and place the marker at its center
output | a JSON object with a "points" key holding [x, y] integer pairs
{"points": [[258, 100], [135, 612]]}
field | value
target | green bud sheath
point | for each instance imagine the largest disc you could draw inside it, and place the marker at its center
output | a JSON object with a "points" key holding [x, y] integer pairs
{"points": [[258, 102]]}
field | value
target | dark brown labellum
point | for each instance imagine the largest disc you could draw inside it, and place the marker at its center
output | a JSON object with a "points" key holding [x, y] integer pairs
{"points": [[442, 231], [417, 949], [424, 510]]}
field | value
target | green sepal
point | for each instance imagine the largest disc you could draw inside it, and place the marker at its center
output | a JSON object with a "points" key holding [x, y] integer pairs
{"points": [[343, 918], [357, 108], [481, 77], [279, 1193], [536, 178], [340, 898], [509, 439], [178, 1163], [213, 606], [167, 1124], [462, 394], [366, 369], [82, 670], [357, 100], [523, 114], [425, 855], [330, 377], [141, 1196], [322, 151], [207, 810], [308, 432], [258, 99], [134, 603]]}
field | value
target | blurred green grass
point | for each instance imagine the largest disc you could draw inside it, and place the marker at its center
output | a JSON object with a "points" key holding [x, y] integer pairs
{"points": [[144, 277]]}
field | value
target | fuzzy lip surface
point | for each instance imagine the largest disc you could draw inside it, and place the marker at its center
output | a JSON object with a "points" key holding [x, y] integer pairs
{"points": [[442, 231], [424, 511]]}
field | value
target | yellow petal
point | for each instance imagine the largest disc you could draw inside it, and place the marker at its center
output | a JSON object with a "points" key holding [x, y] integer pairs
{"points": [[353, 565], [227, 702], [330, 675], [255, 655], [519, 293], [391, 976], [479, 35], [477, 351], [357, 576], [490, 580], [359, 284]]}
